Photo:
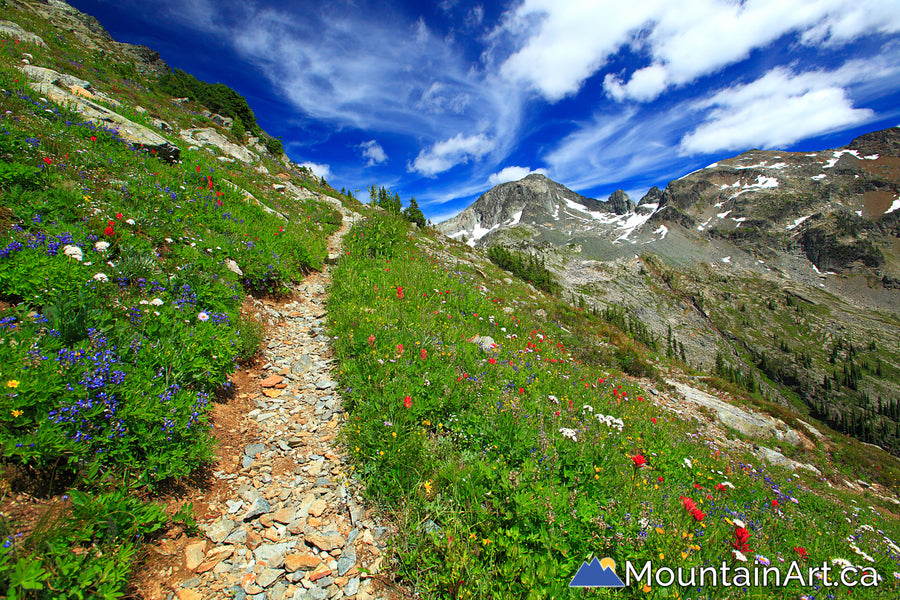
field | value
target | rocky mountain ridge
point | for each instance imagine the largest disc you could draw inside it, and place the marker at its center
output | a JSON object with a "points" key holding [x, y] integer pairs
{"points": [[773, 268], [537, 201]]}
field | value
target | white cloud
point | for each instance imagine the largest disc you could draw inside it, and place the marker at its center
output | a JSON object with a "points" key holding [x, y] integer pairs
{"points": [[373, 151], [561, 43], [446, 154], [318, 170], [565, 42], [776, 110], [512, 174], [645, 84]]}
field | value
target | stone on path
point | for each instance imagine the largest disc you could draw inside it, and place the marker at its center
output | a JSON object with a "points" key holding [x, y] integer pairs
{"points": [[194, 555]]}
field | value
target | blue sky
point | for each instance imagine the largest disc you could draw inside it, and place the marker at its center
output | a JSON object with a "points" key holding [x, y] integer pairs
{"points": [[442, 101]]}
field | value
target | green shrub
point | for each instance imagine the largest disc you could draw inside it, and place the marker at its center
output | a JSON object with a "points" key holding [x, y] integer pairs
{"points": [[379, 236]]}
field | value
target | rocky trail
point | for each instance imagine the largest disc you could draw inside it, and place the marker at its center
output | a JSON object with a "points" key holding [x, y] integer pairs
{"points": [[283, 520]]}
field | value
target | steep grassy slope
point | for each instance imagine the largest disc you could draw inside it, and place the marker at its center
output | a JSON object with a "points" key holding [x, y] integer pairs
{"points": [[510, 450], [122, 279]]}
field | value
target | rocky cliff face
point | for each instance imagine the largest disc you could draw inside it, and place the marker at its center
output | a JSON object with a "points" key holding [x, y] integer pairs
{"points": [[93, 35]]}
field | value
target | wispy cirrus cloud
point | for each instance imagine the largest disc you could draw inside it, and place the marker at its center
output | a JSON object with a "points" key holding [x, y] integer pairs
{"points": [[600, 93]]}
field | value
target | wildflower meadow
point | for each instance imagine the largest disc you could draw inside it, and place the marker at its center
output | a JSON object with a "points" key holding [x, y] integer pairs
{"points": [[508, 460], [122, 282]]}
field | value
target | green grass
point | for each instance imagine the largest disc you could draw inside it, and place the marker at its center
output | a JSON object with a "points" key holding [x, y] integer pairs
{"points": [[500, 475]]}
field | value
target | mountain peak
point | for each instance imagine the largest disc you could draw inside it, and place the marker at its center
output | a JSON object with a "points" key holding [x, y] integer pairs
{"points": [[537, 177], [533, 201]]}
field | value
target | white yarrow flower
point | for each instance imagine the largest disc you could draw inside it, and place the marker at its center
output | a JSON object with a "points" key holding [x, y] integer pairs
{"points": [[841, 562], [569, 433], [73, 252], [156, 302], [101, 277], [101, 246]]}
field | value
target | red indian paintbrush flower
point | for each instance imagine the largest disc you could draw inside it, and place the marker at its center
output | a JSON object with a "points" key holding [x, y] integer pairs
{"points": [[741, 535], [639, 460], [400, 292], [407, 401]]}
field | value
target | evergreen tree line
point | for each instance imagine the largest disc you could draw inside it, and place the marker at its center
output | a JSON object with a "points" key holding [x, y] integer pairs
{"points": [[635, 328], [880, 427], [674, 348], [735, 375], [390, 202], [524, 266]]}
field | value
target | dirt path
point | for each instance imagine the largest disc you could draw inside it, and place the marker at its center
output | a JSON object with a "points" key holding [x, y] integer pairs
{"points": [[286, 521]]}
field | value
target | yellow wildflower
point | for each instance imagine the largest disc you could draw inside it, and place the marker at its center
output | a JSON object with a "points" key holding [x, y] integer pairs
{"points": [[12, 383]]}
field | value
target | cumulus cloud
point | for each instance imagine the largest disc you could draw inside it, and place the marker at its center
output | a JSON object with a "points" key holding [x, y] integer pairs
{"points": [[373, 151], [565, 42], [318, 170], [645, 84], [512, 174], [776, 110], [562, 43], [446, 154]]}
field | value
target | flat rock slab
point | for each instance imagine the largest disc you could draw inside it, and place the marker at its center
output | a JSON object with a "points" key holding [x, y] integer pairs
{"points": [[271, 381], [750, 424], [328, 541]]}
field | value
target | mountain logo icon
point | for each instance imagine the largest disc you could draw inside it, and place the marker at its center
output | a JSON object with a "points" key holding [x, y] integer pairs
{"points": [[597, 573]]}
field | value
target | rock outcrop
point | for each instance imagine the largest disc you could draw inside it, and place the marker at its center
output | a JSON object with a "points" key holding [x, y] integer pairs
{"points": [[75, 93], [207, 136]]}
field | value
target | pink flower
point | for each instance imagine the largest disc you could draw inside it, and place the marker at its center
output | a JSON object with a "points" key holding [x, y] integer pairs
{"points": [[371, 339]]}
